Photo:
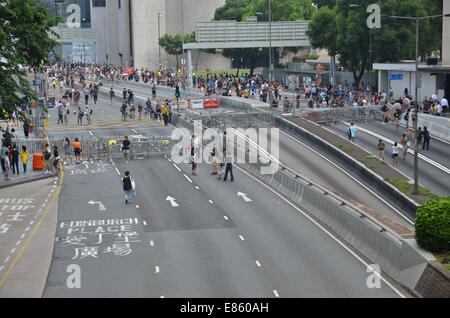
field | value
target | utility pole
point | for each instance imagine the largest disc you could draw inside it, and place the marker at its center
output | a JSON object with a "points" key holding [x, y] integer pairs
{"points": [[270, 55], [159, 38]]}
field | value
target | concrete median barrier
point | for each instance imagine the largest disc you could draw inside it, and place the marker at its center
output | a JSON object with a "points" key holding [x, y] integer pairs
{"points": [[399, 258]]}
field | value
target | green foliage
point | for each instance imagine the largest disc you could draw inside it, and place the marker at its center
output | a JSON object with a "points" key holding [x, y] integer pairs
{"points": [[25, 29], [343, 31], [173, 44], [433, 225], [239, 10]]}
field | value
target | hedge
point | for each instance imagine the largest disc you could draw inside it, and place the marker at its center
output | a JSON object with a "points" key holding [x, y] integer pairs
{"points": [[433, 225]]}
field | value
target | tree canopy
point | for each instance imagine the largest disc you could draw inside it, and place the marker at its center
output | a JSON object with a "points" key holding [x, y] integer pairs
{"points": [[342, 30], [173, 44], [239, 10], [25, 41]]}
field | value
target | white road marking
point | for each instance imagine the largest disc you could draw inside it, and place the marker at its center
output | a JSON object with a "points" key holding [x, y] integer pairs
{"points": [[162, 297], [324, 230], [135, 131], [258, 263], [49, 195], [351, 177], [178, 168], [31, 223], [145, 223], [172, 201], [36, 216], [275, 293], [7, 259], [197, 187], [241, 237], [27, 229], [90, 133], [170, 160], [40, 210], [43, 205], [13, 250], [156, 269], [18, 242], [137, 206], [189, 179], [1, 268], [151, 243], [118, 172], [46, 200], [226, 217], [86, 165], [22, 236], [211, 201]]}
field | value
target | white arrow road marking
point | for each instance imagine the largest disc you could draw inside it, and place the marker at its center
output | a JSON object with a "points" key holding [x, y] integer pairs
{"points": [[244, 196], [101, 207], [172, 201]]}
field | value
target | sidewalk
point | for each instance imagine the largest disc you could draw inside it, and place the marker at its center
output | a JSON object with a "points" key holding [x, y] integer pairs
{"points": [[30, 176]]}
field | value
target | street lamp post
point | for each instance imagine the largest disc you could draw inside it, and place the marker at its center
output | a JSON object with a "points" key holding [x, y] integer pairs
{"points": [[159, 38], [416, 106], [270, 55], [182, 44]]}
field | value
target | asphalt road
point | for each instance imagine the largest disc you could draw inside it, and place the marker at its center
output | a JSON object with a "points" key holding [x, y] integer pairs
{"points": [[432, 177], [209, 243], [299, 157]]}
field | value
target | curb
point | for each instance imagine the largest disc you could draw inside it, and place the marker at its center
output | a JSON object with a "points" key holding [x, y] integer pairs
{"points": [[28, 180]]}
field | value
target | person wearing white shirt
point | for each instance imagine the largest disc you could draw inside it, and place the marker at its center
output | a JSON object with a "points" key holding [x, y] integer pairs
{"points": [[434, 97], [444, 104]]}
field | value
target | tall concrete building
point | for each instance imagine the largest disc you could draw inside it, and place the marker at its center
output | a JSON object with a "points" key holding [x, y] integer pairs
{"points": [[175, 17]]}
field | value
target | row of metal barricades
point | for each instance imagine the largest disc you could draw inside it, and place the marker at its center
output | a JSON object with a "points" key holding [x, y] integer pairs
{"points": [[101, 149]]}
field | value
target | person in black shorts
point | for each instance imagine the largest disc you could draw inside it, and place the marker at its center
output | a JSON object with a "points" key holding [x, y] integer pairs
{"points": [[126, 147]]}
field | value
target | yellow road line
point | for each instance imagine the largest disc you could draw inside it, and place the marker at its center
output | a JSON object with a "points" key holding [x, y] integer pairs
{"points": [[33, 232]]}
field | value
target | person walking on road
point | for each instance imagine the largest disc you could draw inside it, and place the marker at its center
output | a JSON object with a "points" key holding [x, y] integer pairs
{"points": [[24, 156], [426, 139], [404, 143], [193, 161], [80, 116], [419, 137], [127, 187], [395, 157], [140, 110], [123, 110], [381, 148], [126, 148], [228, 168], [47, 156], [112, 94], [154, 91], [351, 132], [124, 94], [86, 96]]}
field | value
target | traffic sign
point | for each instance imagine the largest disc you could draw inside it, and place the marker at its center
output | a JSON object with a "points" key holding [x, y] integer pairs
{"points": [[396, 77]]}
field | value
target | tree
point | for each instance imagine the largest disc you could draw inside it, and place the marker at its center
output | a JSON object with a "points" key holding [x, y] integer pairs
{"points": [[173, 44], [239, 10], [394, 41], [25, 41]]}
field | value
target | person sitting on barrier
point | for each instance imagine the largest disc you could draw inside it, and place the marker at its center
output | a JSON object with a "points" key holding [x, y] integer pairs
{"points": [[77, 150]]}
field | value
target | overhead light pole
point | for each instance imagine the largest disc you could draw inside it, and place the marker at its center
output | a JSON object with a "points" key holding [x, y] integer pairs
{"points": [[159, 39], [416, 108], [270, 55]]}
